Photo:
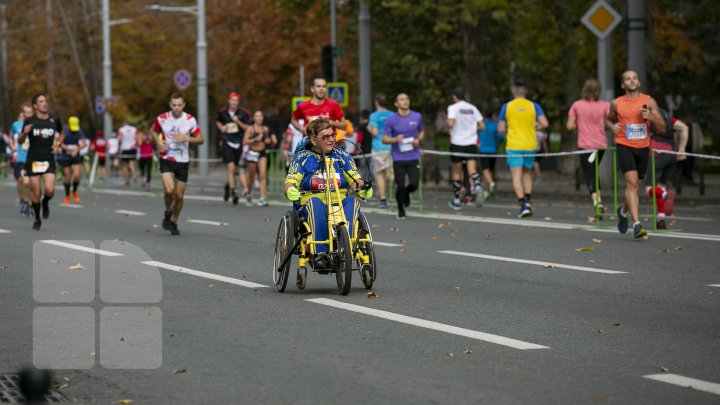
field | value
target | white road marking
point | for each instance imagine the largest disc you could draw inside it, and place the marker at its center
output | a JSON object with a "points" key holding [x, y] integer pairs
{"points": [[203, 198], [388, 244], [686, 382], [678, 235], [514, 260], [201, 221], [697, 219], [126, 212], [4, 231], [713, 285], [123, 192], [211, 276], [473, 334], [81, 248], [70, 205]]}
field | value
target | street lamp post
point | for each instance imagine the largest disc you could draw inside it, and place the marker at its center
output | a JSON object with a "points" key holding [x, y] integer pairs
{"points": [[202, 103]]}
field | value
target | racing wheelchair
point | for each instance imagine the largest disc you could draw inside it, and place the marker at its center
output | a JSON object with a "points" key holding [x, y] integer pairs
{"points": [[345, 253]]}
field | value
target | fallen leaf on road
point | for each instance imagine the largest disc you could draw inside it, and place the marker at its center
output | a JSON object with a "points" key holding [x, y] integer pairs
{"points": [[591, 220], [394, 229], [443, 225], [128, 215], [403, 241], [646, 237], [64, 293], [122, 339], [125, 401], [211, 285], [54, 261], [433, 237], [678, 248], [526, 226], [597, 240], [664, 369], [548, 218], [372, 294], [591, 261], [449, 354], [268, 219], [664, 250], [62, 387], [599, 399], [76, 267], [616, 324], [467, 351], [454, 233], [156, 226], [179, 371], [93, 354], [585, 249], [402, 250], [601, 331], [548, 266], [116, 314], [375, 226], [457, 289]]}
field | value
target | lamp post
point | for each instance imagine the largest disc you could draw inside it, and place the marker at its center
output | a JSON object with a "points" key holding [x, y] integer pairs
{"points": [[201, 45], [107, 65]]}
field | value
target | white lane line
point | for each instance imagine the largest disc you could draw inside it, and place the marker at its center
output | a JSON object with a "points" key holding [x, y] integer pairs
{"points": [[4, 231], [697, 219], [202, 221], [388, 244], [514, 260], [211, 276], [473, 334], [126, 212], [81, 248], [677, 235], [713, 285], [123, 192], [70, 205], [203, 198], [686, 382]]}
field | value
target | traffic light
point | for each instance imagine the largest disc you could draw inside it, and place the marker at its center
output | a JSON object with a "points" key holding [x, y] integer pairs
{"points": [[327, 62]]}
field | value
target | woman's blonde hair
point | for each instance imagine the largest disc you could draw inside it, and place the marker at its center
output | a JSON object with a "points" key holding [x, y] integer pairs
{"points": [[317, 125], [591, 90]]}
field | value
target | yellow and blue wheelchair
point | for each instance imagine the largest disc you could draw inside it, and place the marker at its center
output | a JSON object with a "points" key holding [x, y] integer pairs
{"points": [[345, 254]]}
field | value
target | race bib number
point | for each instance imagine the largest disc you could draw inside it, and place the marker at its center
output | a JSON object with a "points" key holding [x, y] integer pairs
{"points": [[406, 145], [176, 150], [636, 131], [40, 167], [232, 128], [318, 182], [252, 156]]}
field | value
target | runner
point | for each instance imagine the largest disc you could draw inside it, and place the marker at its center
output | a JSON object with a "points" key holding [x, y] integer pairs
{"points": [[629, 118], [464, 120], [489, 141], [145, 141], [127, 135], [381, 156], [258, 138], [404, 130], [113, 148], [70, 159], [20, 151], [99, 146], [173, 132], [41, 128], [292, 138], [520, 118], [318, 106], [232, 121]]}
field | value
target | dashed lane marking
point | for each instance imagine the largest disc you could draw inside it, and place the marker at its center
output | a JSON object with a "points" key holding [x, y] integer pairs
{"points": [[203, 274], [126, 212], [535, 262], [686, 382], [81, 248], [204, 222]]}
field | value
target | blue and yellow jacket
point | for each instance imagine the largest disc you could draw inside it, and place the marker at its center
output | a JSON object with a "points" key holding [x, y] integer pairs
{"points": [[307, 174]]}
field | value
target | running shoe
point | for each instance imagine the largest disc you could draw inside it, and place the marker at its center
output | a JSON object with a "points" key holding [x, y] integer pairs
{"points": [[235, 198], [226, 195], [262, 203], [166, 224], [486, 195], [455, 204], [661, 224], [174, 229], [639, 231], [525, 210], [491, 190], [598, 212], [480, 195], [383, 204], [76, 197], [622, 221], [66, 201], [45, 209], [670, 203], [248, 200], [36, 224]]}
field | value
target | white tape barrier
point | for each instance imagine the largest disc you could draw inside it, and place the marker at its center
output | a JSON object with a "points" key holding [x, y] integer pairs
{"points": [[671, 152], [436, 152]]}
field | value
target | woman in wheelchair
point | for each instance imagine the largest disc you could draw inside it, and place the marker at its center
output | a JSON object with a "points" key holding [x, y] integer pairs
{"points": [[306, 181]]}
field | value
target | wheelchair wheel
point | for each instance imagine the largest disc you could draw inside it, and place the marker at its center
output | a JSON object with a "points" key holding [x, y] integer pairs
{"points": [[368, 272], [301, 279], [283, 245], [343, 268]]}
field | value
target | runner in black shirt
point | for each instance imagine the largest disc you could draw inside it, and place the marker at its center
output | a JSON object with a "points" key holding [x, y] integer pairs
{"points": [[232, 121], [41, 128]]}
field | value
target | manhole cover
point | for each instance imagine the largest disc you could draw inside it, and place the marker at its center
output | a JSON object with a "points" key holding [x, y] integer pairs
{"points": [[10, 392]]}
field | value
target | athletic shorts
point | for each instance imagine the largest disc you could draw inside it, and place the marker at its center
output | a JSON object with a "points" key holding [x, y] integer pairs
{"points": [[70, 161], [41, 168], [230, 154], [18, 169], [179, 170], [488, 163], [473, 149], [633, 159], [255, 156], [128, 155], [381, 160], [664, 168], [517, 161]]}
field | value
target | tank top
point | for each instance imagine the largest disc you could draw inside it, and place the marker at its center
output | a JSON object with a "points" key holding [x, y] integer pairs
{"points": [[634, 131]]}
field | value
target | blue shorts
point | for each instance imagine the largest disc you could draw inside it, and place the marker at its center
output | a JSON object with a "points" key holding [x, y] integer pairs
{"points": [[517, 161]]}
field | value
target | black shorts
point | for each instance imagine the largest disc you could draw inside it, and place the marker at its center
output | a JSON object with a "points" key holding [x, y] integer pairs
{"points": [[488, 163], [462, 149], [128, 155], [633, 159], [51, 169], [77, 160], [18, 169], [180, 170], [230, 154]]}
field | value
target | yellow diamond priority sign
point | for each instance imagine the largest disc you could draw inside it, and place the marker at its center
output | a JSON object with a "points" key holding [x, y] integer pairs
{"points": [[601, 19]]}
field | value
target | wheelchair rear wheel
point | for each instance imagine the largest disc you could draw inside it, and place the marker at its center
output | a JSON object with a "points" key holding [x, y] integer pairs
{"points": [[283, 248], [343, 264]]}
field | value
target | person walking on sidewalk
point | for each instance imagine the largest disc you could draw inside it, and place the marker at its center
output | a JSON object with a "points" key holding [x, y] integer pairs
{"points": [[520, 118], [464, 121], [587, 116], [630, 118]]}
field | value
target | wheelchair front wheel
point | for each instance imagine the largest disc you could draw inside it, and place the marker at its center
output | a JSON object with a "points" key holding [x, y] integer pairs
{"points": [[368, 272], [283, 248], [343, 264]]}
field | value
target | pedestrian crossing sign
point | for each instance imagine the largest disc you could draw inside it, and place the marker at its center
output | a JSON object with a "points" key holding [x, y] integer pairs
{"points": [[338, 91], [297, 100]]}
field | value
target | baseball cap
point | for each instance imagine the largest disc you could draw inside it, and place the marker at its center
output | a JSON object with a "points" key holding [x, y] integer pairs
{"points": [[74, 123]]}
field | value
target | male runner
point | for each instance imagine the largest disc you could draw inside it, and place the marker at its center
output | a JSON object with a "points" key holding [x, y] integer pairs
{"points": [[173, 132], [318, 106], [20, 156], [42, 129], [381, 157], [464, 121], [99, 146], [127, 135], [232, 121], [630, 118], [70, 159]]}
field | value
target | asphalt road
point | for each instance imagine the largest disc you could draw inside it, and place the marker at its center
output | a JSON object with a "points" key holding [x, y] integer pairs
{"points": [[471, 307]]}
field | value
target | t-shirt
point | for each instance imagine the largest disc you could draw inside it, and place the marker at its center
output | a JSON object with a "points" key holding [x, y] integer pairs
{"points": [[100, 146], [490, 138], [590, 117], [22, 150], [466, 116], [128, 137], [409, 127], [309, 112], [113, 146], [72, 139], [377, 120], [634, 131], [234, 135], [146, 147], [168, 126], [42, 136], [520, 115]]}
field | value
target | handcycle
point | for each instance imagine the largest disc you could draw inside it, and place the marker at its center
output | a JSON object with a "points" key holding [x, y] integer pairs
{"points": [[295, 237]]}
